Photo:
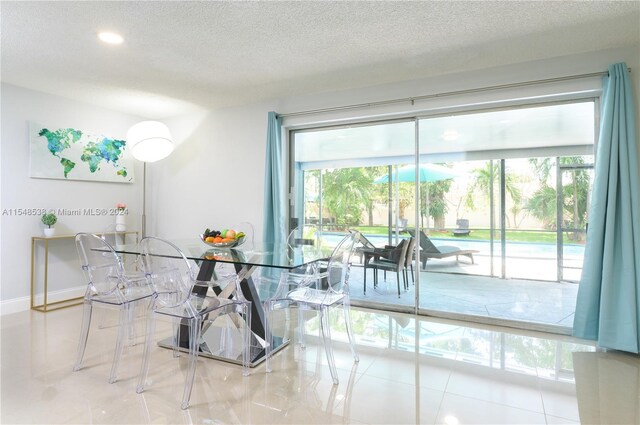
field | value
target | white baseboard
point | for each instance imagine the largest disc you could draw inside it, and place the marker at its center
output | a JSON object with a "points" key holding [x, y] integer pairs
{"points": [[16, 305]]}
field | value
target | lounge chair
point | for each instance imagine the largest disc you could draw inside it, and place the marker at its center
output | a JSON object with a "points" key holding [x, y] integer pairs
{"points": [[429, 250], [362, 244]]}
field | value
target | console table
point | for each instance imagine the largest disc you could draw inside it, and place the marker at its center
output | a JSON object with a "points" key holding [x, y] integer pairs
{"points": [[56, 305]]}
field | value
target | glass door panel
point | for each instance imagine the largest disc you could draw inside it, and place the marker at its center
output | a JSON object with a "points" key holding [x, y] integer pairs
{"points": [[505, 196], [356, 177], [530, 219], [576, 184]]}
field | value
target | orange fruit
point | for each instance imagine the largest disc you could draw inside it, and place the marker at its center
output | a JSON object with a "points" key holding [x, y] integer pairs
{"points": [[209, 239], [217, 239]]}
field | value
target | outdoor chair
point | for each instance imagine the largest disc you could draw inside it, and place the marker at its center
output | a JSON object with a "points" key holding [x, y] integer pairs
{"points": [[388, 259], [304, 295], [408, 262], [362, 244], [107, 285], [402, 225], [462, 227], [429, 250]]}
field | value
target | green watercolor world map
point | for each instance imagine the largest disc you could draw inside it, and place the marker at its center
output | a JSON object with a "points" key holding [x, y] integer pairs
{"points": [[78, 155]]}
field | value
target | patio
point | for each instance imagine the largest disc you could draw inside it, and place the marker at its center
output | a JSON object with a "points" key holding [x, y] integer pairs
{"points": [[530, 304]]}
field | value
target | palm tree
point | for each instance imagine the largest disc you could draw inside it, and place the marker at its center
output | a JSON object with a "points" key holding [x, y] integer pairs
{"points": [[437, 202], [376, 193], [346, 192], [543, 206], [485, 178], [543, 203]]}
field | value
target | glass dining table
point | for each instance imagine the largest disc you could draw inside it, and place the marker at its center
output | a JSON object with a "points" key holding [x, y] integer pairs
{"points": [[270, 259]]}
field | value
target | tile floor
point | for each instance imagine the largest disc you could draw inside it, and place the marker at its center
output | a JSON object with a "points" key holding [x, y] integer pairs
{"points": [[435, 372], [532, 304]]}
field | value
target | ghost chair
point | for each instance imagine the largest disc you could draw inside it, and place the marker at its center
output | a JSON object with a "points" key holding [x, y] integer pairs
{"points": [[179, 296], [109, 286], [333, 292]]}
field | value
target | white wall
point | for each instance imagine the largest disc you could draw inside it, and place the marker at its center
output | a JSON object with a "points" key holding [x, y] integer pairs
{"points": [[215, 177], [19, 106]]}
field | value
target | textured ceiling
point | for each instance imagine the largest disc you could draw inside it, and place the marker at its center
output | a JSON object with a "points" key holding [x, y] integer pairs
{"points": [[180, 55]]}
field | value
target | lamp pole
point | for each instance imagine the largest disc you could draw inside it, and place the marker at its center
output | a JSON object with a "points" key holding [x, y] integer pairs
{"points": [[144, 199]]}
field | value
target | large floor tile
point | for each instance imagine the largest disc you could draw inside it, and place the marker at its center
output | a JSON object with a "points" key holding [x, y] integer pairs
{"points": [[465, 410], [411, 370]]}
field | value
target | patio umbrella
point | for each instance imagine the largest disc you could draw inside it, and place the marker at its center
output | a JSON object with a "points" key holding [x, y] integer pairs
{"points": [[426, 173]]}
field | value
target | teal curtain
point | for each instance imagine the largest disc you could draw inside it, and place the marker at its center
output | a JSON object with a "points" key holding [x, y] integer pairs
{"points": [[274, 199], [608, 304]]}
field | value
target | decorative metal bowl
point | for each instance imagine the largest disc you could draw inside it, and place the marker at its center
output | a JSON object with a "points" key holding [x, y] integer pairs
{"points": [[231, 244]]}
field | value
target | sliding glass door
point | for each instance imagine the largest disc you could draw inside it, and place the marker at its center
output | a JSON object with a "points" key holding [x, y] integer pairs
{"points": [[356, 177], [498, 198], [518, 203]]}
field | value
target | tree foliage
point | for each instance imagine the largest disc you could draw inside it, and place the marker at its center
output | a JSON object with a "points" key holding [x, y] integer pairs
{"points": [[480, 189], [575, 194], [433, 197], [346, 193]]}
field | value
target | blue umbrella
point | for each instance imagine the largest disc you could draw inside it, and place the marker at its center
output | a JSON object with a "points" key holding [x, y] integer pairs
{"points": [[426, 173]]}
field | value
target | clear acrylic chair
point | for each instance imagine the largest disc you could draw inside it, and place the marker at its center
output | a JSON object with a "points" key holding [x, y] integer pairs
{"points": [[332, 290], [306, 238], [117, 239], [248, 229], [183, 298], [306, 235], [107, 285], [226, 270]]}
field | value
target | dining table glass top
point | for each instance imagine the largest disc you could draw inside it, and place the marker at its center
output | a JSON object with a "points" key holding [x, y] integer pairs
{"points": [[250, 253]]}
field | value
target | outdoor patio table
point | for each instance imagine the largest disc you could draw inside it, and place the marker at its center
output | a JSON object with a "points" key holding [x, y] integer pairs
{"points": [[246, 259]]}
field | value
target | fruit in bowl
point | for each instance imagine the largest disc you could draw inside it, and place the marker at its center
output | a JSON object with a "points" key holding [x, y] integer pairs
{"points": [[222, 238]]}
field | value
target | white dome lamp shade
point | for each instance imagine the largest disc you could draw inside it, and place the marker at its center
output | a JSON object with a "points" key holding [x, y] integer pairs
{"points": [[150, 141]]}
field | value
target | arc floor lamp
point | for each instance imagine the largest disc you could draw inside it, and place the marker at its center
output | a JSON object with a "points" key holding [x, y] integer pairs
{"points": [[150, 141]]}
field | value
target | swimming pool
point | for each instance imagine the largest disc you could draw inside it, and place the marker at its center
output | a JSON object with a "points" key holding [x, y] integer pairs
{"points": [[513, 249]]}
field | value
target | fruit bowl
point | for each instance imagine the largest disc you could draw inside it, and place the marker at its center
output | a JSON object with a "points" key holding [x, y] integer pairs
{"points": [[229, 244]]}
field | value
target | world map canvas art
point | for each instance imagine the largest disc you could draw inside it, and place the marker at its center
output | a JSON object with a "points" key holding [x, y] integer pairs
{"points": [[72, 154]]}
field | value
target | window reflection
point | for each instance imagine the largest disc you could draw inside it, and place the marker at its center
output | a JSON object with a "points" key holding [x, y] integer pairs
{"points": [[545, 358]]}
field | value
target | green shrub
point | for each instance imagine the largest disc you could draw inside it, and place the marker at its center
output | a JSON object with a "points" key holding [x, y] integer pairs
{"points": [[49, 219]]}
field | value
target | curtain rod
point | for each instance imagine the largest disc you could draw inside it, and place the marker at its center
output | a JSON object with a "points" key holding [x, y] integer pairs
{"points": [[444, 94]]}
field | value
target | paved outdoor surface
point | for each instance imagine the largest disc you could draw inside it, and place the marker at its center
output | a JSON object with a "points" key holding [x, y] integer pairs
{"points": [[550, 304]]}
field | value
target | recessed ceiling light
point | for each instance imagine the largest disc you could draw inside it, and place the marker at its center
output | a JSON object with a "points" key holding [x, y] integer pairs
{"points": [[451, 420], [110, 37], [450, 135]]}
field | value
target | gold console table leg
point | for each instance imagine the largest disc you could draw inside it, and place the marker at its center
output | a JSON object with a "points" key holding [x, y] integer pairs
{"points": [[47, 306]]}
